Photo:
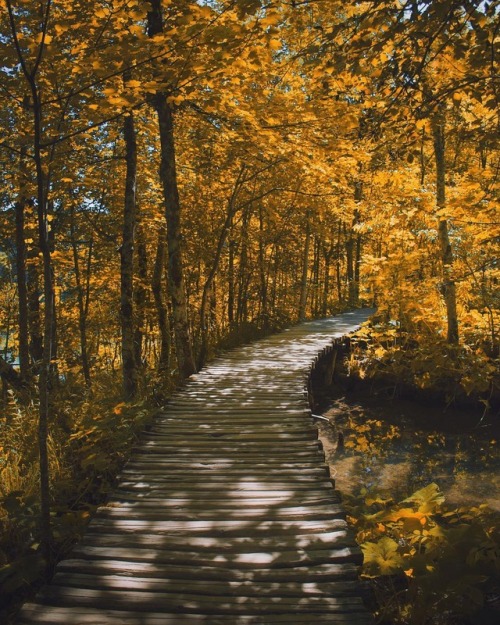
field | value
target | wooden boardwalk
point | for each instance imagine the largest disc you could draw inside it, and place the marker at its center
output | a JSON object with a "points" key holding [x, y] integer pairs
{"points": [[225, 515]]}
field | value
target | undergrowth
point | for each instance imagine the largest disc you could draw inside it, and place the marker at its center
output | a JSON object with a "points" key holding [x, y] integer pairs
{"points": [[428, 564], [415, 366], [91, 436]]}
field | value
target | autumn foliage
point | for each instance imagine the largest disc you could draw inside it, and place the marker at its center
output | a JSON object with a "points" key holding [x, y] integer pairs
{"points": [[181, 175]]}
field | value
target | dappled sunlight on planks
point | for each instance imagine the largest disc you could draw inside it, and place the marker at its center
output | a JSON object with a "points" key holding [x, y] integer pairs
{"points": [[225, 514]]}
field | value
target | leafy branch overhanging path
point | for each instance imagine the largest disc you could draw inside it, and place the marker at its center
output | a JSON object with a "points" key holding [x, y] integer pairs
{"points": [[225, 514]]}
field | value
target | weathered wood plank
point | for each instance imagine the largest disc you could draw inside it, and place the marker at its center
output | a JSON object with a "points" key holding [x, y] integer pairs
{"points": [[247, 544], [323, 573], [48, 615], [249, 527], [164, 487], [210, 588], [185, 603], [266, 559], [163, 504], [194, 510]]}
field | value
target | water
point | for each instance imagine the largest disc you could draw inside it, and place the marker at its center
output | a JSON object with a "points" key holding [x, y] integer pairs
{"points": [[392, 448]]}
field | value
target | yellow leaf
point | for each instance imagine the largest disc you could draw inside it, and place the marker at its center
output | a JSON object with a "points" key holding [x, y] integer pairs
{"points": [[119, 407], [40, 36], [175, 99], [205, 11]]}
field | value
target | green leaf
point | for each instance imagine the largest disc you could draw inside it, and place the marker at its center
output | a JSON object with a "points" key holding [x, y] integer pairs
{"points": [[428, 499], [382, 557]]}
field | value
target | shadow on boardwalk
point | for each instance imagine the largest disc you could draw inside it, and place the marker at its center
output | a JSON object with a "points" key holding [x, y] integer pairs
{"points": [[225, 514]]}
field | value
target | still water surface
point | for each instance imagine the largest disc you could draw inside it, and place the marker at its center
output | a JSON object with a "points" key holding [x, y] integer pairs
{"points": [[395, 447]]}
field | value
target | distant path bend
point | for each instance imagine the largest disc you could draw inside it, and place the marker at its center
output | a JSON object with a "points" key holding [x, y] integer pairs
{"points": [[225, 514]]}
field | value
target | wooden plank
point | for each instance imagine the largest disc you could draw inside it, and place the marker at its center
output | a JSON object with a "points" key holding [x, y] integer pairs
{"points": [[292, 460], [323, 573], [211, 588], [261, 560], [165, 487], [234, 490], [195, 510], [33, 614], [185, 603], [230, 473], [221, 527], [235, 436], [228, 452], [216, 502], [247, 544]]}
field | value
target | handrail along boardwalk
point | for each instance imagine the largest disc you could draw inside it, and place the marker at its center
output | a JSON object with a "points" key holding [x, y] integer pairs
{"points": [[225, 514]]}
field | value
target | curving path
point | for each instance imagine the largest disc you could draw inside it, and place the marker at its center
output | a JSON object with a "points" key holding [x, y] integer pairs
{"points": [[225, 514]]}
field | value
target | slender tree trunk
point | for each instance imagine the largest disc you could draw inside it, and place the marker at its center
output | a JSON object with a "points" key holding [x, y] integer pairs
{"points": [[316, 275], [168, 177], [161, 306], [34, 313], [262, 270], [423, 169], [357, 266], [22, 288], [175, 271], [448, 288], [305, 271], [273, 269], [82, 308], [243, 276], [230, 285], [327, 255], [140, 300], [127, 263], [207, 288], [45, 369], [338, 272]]}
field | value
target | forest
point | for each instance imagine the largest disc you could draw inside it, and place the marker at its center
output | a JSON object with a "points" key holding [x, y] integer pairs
{"points": [[181, 176]]}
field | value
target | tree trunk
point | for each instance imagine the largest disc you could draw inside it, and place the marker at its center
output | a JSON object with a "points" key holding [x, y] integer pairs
{"points": [[338, 272], [161, 306], [127, 263], [48, 328], [357, 266], [168, 177], [140, 300], [327, 256], [448, 288], [262, 270], [207, 288], [316, 276], [305, 271], [82, 300], [34, 313], [243, 274], [22, 289], [230, 280]]}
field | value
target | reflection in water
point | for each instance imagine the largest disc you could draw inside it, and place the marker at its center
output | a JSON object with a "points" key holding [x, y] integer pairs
{"points": [[397, 455]]}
